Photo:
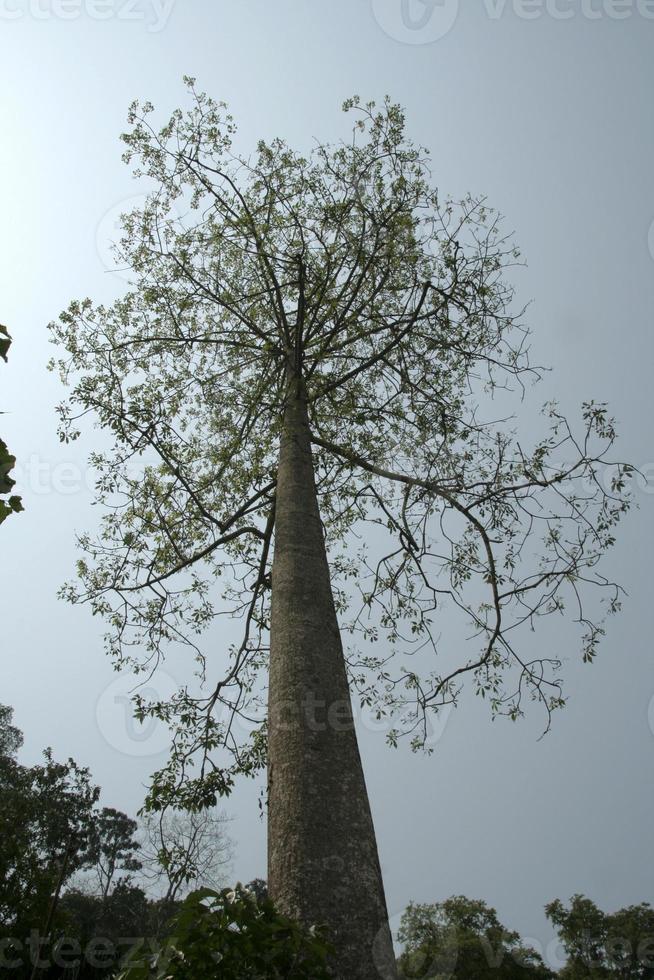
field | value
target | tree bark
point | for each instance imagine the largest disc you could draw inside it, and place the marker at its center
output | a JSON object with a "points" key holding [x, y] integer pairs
{"points": [[323, 866]]}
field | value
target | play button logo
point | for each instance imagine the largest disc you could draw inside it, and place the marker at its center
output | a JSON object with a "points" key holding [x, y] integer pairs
{"points": [[416, 21]]}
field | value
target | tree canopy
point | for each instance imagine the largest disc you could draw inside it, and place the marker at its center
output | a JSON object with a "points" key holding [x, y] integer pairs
{"points": [[604, 945], [391, 306], [113, 847], [462, 937]]}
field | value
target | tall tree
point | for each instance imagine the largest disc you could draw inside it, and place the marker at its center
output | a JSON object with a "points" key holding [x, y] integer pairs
{"points": [[9, 502], [309, 345]]}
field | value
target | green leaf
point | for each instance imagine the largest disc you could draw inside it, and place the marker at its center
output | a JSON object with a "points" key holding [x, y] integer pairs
{"points": [[5, 342]]}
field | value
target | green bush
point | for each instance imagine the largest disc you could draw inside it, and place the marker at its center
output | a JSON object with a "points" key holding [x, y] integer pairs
{"points": [[230, 935]]}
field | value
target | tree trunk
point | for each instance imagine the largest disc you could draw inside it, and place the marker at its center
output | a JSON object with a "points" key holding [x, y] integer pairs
{"points": [[323, 866]]}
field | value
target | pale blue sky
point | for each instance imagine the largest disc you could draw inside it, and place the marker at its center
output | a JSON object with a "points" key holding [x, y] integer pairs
{"points": [[551, 117]]}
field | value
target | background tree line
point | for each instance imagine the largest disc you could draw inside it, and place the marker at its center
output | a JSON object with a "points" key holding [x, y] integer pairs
{"points": [[464, 938], [81, 884], [75, 871]]}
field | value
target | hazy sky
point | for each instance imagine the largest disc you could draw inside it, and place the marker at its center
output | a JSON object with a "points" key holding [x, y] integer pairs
{"points": [[544, 107]]}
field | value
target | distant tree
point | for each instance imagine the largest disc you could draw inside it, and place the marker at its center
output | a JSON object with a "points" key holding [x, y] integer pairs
{"points": [[630, 942], [601, 945], [582, 929], [9, 503], [463, 938], [11, 738], [114, 846], [182, 849], [46, 814]]}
